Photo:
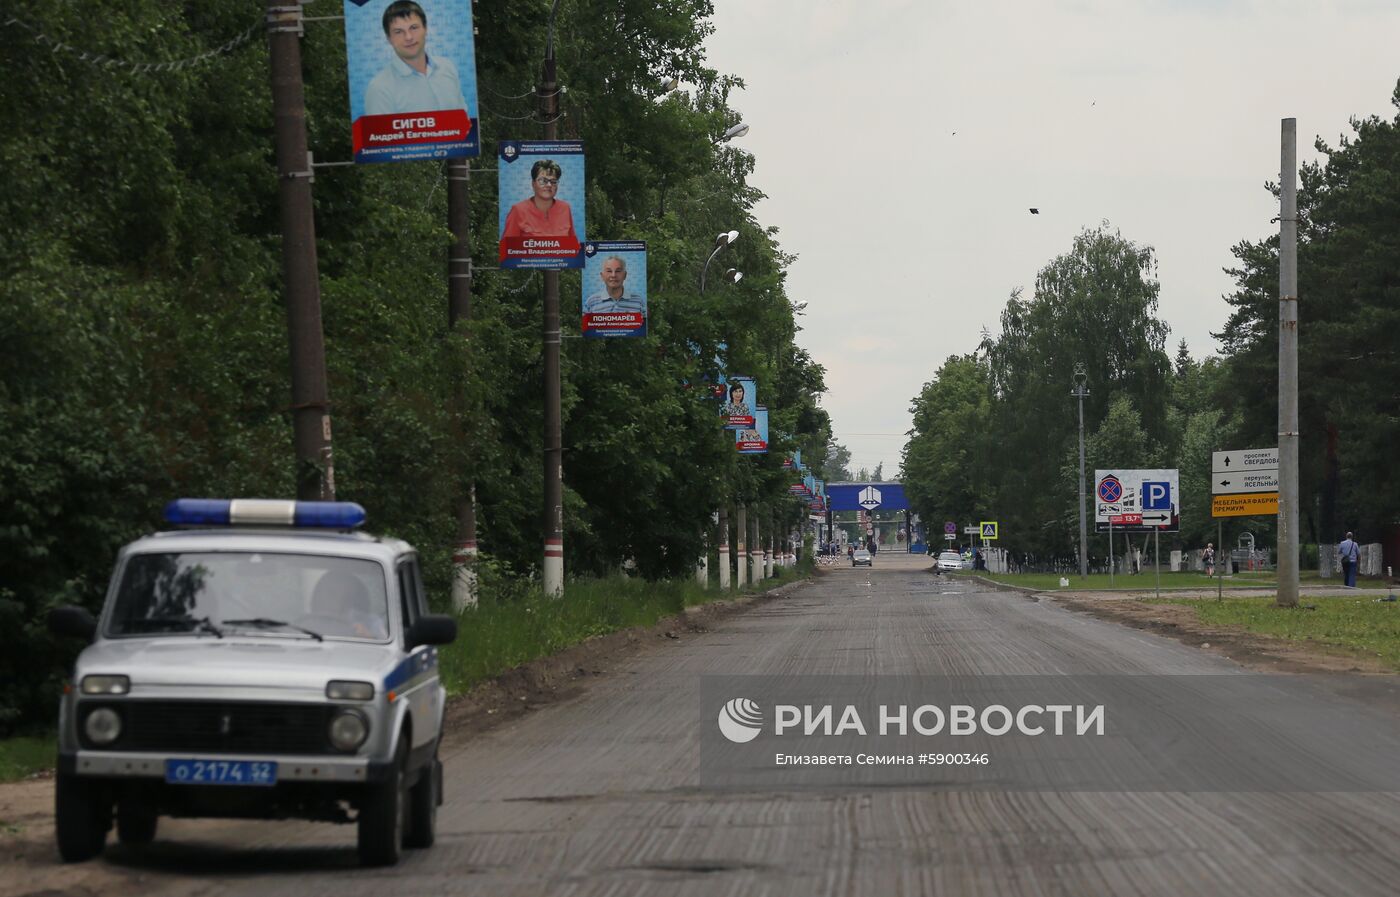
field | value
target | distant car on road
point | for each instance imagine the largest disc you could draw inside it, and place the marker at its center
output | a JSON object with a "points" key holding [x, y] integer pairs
{"points": [[949, 560], [862, 558]]}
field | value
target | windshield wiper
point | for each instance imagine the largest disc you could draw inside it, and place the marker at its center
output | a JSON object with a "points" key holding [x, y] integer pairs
{"points": [[265, 623], [183, 621]]}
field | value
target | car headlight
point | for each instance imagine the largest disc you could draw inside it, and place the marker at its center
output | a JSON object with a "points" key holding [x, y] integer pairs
{"points": [[106, 685], [349, 729], [344, 690], [103, 726]]}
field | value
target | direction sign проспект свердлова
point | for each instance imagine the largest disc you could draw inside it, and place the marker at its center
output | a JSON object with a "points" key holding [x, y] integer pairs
{"points": [[1244, 459]]}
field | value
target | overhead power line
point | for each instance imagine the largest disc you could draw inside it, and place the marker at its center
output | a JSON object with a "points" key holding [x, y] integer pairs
{"points": [[102, 60]]}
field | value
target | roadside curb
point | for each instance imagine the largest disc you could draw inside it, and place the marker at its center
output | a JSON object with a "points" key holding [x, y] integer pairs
{"points": [[1000, 586]]}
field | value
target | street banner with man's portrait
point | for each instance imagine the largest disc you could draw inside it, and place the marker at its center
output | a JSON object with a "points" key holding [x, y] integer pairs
{"points": [[412, 71], [540, 194], [754, 441], [740, 399], [614, 289]]}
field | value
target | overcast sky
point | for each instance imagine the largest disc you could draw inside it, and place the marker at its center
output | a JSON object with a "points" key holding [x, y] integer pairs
{"points": [[1160, 116]]}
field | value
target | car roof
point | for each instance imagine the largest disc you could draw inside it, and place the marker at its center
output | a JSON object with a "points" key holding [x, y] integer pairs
{"points": [[291, 541]]}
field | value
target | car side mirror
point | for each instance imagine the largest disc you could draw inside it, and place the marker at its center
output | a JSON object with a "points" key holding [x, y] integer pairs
{"points": [[433, 629], [73, 622]]}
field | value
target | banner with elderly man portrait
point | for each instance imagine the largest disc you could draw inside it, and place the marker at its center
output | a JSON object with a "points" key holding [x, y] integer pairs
{"points": [[614, 289], [411, 65], [540, 191]]}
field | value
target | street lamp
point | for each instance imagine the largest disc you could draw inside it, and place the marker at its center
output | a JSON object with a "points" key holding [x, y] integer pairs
{"points": [[733, 275], [738, 130], [1079, 391], [668, 84], [721, 241]]}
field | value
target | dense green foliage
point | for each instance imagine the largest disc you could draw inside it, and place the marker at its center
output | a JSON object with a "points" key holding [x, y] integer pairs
{"points": [[995, 431], [141, 305]]}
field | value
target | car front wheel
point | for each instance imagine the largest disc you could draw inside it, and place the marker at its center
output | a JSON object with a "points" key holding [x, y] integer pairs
{"points": [[380, 825], [82, 816], [136, 823], [423, 800]]}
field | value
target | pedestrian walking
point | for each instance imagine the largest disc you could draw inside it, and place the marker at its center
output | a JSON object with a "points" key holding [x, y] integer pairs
{"points": [[1350, 554], [1208, 558]]}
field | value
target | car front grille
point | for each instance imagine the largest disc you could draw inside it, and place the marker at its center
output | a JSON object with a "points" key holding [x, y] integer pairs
{"points": [[224, 727]]}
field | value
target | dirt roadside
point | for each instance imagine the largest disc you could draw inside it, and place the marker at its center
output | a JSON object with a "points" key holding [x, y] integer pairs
{"points": [[1265, 653], [29, 864]]}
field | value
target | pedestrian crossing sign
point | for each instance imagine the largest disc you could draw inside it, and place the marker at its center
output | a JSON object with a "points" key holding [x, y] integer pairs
{"points": [[989, 529]]}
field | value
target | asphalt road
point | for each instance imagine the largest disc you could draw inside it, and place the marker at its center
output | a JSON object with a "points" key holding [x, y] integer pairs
{"points": [[600, 795]]}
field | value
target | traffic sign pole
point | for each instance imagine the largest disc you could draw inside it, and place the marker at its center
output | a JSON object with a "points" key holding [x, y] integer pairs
{"points": [[1157, 559], [1110, 552], [1219, 567]]}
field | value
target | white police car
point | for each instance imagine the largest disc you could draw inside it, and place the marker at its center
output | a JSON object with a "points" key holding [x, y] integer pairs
{"points": [[270, 663]]}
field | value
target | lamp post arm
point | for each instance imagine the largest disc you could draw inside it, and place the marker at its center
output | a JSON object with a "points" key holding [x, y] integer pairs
{"points": [[705, 270]]}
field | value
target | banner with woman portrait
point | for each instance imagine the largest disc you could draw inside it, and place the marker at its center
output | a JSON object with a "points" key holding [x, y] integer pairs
{"points": [[541, 191], [754, 441], [741, 397]]}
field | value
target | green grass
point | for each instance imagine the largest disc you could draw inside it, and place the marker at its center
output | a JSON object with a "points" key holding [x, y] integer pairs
{"points": [[1145, 581], [24, 755], [519, 624], [1359, 623], [1311, 578]]}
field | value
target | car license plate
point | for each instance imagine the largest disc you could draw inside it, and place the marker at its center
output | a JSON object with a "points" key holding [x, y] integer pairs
{"points": [[220, 772]]}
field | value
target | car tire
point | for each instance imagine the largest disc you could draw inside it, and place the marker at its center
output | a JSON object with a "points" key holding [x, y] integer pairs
{"points": [[82, 817], [423, 801], [136, 823], [380, 825]]}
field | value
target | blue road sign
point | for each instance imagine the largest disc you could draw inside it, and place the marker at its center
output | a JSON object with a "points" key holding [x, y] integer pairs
{"points": [[1156, 496]]}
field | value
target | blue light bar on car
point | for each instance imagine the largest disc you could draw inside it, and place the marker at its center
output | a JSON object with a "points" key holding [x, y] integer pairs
{"points": [[264, 512]]}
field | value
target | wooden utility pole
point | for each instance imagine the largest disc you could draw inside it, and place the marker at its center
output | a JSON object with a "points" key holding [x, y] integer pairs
{"points": [[311, 419]]}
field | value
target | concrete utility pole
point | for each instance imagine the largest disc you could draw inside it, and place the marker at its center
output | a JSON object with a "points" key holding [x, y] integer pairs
{"points": [[1288, 369], [724, 577], [702, 563], [553, 414], [741, 561], [1081, 377], [311, 420], [459, 304], [755, 549]]}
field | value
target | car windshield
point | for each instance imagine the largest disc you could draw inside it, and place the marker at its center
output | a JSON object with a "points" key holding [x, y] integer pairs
{"points": [[862, 553], [950, 556], [282, 595]]}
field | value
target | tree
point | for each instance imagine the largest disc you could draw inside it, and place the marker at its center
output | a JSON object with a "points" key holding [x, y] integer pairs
{"points": [[947, 467], [1349, 408], [1094, 305], [140, 289]]}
